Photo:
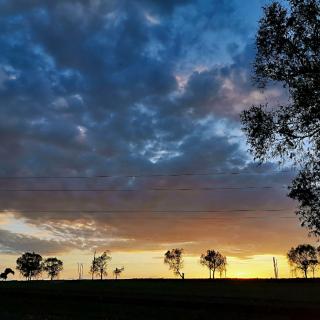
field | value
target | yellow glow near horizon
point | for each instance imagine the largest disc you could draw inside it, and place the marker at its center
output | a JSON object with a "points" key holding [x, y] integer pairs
{"points": [[149, 264]]}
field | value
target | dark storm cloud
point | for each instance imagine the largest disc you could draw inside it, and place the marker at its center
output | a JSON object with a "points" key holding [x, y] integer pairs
{"points": [[88, 78], [17, 6], [109, 87], [225, 90]]}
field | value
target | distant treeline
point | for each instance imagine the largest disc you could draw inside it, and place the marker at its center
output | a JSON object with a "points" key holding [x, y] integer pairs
{"points": [[304, 258]]}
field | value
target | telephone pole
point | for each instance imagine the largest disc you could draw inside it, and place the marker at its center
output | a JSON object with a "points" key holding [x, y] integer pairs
{"points": [[80, 270], [275, 268]]}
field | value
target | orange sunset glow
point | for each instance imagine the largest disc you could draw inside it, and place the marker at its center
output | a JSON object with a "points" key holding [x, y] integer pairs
{"points": [[120, 132]]}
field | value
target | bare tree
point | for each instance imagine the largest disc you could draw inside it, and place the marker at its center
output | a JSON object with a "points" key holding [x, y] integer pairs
{"points": [[174, 259], [117, 272], [303, 258], [214, 261], [53, 267], [100, 264]]}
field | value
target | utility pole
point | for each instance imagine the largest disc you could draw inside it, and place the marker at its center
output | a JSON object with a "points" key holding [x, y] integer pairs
{"points": [[275, 268], [80, 270]]}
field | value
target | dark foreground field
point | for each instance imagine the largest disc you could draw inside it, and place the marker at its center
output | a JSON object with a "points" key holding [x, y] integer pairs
{"points": [[161, 299]]}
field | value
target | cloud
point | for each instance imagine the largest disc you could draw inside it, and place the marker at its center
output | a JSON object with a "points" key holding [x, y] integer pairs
{"points": [[15, 243], [116, 81], [122, 87]]}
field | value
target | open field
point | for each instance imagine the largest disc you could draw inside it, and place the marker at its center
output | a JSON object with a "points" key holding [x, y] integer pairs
{"points": [[161, 299]]}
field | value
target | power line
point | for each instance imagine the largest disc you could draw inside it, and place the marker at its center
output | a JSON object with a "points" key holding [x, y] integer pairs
{"points": [[193, 217], [211, 215], [151, 175], [219, 219], [147, 211], [147, 189]]}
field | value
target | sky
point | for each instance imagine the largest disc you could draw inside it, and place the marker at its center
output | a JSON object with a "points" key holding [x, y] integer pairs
{"points": [[144, 93]]}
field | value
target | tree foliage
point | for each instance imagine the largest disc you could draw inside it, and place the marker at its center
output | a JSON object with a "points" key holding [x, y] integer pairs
{"points": [[288, 51], [117, 272], [30, 265], [99, 265], [214, 261], [303, 258], [4, 274], [53, 267], [174, 259]]}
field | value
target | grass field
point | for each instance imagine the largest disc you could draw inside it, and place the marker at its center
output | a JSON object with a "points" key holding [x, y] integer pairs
{"points": [[161, 299]]}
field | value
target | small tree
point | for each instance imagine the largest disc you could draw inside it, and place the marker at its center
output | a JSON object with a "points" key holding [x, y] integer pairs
{"points": [[53, 267], [213, 260], [223, 268], [303, 258], [117, 272], [313, 267], [29, 265], [93, 266], [4, 275], [100, 264], [175, 261]]}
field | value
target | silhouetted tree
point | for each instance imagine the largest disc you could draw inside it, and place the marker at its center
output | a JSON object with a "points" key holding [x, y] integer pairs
{"points": [[4, 275], [100, 264], [93, 268], [117, 272], [303, 258], [30, 265], [313, 267], [53, 267], [288, 51], [214, 261], [175, 261], [223, 267]]}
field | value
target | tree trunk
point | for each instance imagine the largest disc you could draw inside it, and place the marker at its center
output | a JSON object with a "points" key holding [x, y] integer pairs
{"points": [[209, 273], [213, 273], [305, 273]]}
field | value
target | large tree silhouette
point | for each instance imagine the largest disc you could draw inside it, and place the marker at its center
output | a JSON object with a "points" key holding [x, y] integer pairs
{"points": [[303, 258], [53, 267], [30, 265], [288, 51]]}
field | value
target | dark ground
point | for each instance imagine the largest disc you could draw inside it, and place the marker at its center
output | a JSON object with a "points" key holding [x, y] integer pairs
{"points": [[161, 299]]}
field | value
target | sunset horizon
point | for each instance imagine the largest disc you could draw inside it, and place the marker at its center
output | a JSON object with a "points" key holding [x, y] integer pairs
{"points": [[120, 131], [159, 159]]}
